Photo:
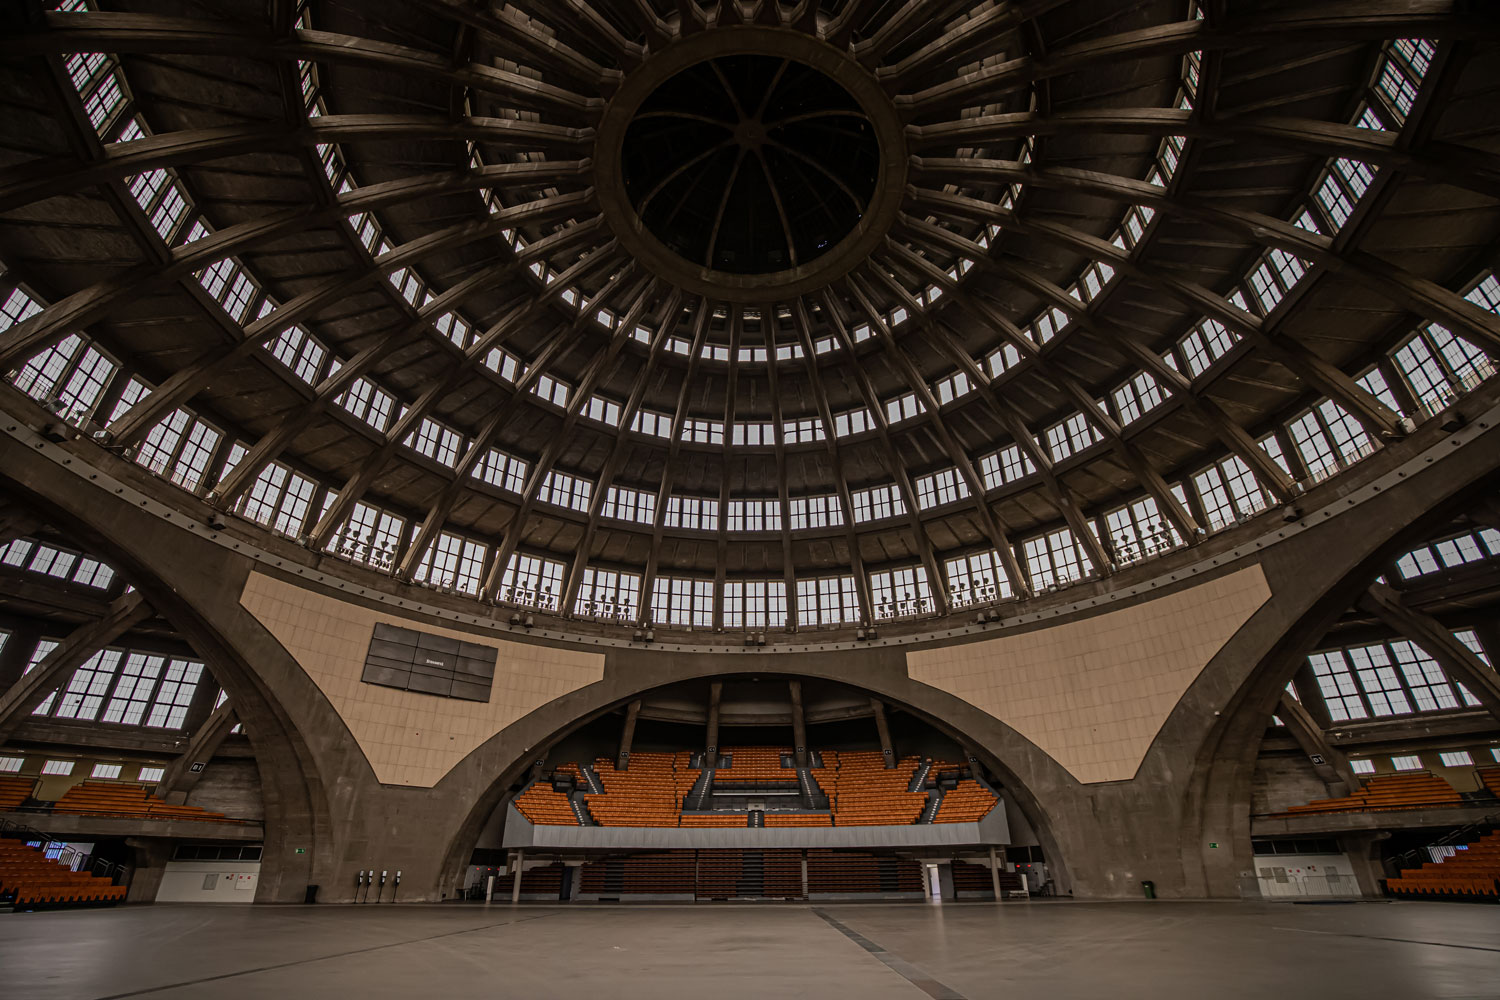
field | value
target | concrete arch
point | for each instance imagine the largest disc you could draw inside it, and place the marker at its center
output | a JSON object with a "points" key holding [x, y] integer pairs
{"points": [[1189, 787], [1003, 751]]}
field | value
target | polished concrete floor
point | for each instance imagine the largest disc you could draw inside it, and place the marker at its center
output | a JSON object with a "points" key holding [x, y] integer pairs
{"points": [[1053, 950]]}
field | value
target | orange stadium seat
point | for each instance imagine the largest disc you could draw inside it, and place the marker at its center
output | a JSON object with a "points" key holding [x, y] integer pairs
{"points": [[31, 878], [1473, 870], [1411, 790], [100, 798]]}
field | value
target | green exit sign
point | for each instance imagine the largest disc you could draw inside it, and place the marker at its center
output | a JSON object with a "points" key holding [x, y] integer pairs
{"points": [[1211, 844], [303, 850]]}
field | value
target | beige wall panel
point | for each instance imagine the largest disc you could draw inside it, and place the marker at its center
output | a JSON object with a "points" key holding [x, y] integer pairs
{"points": [[1094, 693], [409, 739]]}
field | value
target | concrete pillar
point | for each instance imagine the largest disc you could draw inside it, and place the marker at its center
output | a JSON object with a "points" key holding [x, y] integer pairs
{"points": [[57, 666], [799, 726], [804, 874], [1330, 763], [1363, 851], [150, 864], [1456, 659], [994, 874], [515, 885], [189, 767], [884, 730], [711, 744], [622, 760]]}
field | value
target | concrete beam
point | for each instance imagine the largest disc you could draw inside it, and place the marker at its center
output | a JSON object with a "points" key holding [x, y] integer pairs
{"points": [[57, 666], [627, 735], [1331, 764], [799, 724], [1458, 661], [711, 743], [189, 767], [883, 728]]}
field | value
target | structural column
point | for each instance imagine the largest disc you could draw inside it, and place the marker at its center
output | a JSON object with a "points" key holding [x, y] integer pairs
{"points": [[994, 873], [711, 745], [799, 725], [884, 729], [627, 735]]}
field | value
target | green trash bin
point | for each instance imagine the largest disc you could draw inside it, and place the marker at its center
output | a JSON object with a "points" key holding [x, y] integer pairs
{"points": [[1149, 888]]}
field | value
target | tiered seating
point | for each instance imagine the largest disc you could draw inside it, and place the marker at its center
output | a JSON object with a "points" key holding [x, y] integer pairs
{"points": [[968, 803], [846, 872], [645, 795], [684, 775], [1411, 790], [714, 820], [756, 764], [31, 878], [868, 794], [545, 807], [102, 798], [970, 880], [1472, 871], [544, 881], [799, 819], [14, 790], [783, 874], [719, 874], [1489, 777]]}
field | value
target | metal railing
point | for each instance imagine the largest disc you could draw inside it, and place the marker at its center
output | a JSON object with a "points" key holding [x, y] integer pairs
{"points": [[1418, 856], [64, 853]]}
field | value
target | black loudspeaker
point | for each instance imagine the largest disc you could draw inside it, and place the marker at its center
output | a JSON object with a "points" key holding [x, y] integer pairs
{"points": [[311, 895]]}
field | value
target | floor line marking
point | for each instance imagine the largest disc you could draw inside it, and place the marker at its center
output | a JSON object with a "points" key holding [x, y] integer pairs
{"points": [[911, 973], [319, 958], [1378, 937]]}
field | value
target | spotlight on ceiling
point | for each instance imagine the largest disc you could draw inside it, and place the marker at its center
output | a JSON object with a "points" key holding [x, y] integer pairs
{"points": [[216, 521], [1290, 513], [1453, 421]]}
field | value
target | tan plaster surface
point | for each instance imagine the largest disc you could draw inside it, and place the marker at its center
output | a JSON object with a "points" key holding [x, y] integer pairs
{"points": [[409, 738], [1094, 693]]}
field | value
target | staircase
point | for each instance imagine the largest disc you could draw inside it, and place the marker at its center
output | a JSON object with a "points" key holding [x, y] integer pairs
{"points": [[919, 776], [752, 881], [757, 818], [929, 811], [812, 796], [701, 790], [581, 810], [591, 778]]}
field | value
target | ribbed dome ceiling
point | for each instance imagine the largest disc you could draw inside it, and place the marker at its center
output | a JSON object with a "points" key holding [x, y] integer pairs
{"points": [[647, 261]]}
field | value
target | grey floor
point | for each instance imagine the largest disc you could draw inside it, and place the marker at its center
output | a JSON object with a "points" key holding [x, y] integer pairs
{"points": [[1053, 950]]}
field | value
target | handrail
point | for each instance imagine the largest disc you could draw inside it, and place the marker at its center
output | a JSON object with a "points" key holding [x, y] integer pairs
{"points": [[1465, 833], [66, 854]]}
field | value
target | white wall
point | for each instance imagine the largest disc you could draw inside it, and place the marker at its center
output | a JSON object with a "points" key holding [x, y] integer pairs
{"points": [[232, 882], [1298, 875]]}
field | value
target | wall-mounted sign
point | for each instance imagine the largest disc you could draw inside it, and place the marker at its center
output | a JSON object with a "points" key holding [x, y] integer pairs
{"points": [[196, 766], [1317, 758]]}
